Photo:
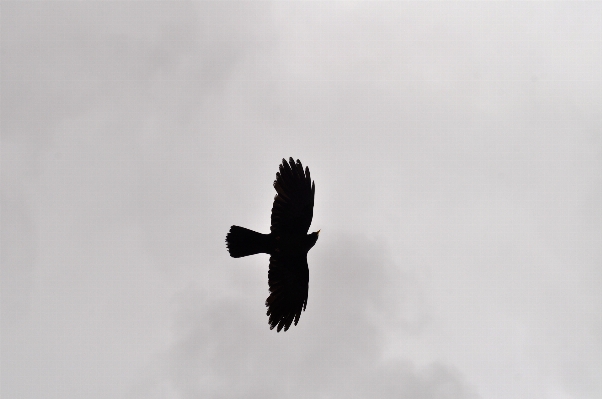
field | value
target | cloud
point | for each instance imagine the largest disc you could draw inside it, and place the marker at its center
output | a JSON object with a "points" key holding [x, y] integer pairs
{"points": [[222, 346], [461, 139], [18, 236]]}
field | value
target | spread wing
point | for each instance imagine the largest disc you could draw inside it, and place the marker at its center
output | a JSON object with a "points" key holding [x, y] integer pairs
{"points": [[288, 279], [293, 206]]}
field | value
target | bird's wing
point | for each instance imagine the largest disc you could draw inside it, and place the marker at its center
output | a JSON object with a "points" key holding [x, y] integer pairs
{"points": [[293, 206], [288, 279]]}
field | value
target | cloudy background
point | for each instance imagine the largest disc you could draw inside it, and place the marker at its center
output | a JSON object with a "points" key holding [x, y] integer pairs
{"points": [[457, 154]]}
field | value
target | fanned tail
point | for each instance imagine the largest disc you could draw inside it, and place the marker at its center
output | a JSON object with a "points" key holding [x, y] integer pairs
{"points": [[244, 242]]}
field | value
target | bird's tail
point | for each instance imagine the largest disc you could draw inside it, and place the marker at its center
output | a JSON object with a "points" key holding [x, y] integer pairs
{"points": [[244, 242]]}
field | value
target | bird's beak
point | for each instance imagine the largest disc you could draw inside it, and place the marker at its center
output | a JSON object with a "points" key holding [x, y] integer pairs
{"points": [[318, 232]]}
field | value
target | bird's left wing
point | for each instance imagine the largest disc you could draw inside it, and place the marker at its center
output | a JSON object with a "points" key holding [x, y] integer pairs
{"points": [[293, 206], [288, 278]]}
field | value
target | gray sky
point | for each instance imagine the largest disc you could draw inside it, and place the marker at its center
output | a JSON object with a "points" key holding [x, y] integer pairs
{"points": [[457, 154]]}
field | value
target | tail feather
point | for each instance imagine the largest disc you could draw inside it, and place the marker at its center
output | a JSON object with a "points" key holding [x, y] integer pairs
{"points": [[244, 242]]}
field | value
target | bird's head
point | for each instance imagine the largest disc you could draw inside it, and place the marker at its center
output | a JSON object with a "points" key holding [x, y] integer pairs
{"points": [[313, 238]]}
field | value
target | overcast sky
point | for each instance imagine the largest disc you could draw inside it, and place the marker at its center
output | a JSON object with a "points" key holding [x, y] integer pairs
{"points": [[457, 156]]}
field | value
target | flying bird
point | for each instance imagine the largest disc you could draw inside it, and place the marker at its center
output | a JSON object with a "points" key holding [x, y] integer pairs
{"points": [[287, 244]]}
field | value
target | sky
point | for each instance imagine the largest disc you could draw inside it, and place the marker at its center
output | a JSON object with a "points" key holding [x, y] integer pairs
{"points": [[456, 150]]}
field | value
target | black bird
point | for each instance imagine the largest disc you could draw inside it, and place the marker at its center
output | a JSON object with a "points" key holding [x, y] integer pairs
{"points": [[287, 244]]}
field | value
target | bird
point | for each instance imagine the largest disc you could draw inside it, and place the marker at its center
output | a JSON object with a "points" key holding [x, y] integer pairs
{"points": [[287, 244]]}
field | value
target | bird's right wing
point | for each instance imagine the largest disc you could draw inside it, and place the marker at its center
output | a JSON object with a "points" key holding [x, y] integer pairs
{"points": [[293, 207], [289, 281]]}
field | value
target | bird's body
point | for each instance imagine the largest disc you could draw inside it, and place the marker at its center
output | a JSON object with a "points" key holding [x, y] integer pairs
{"points": [[287, 244]]}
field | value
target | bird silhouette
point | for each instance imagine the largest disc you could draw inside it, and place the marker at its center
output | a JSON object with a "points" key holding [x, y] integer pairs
{"points": [[287, 244]]}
